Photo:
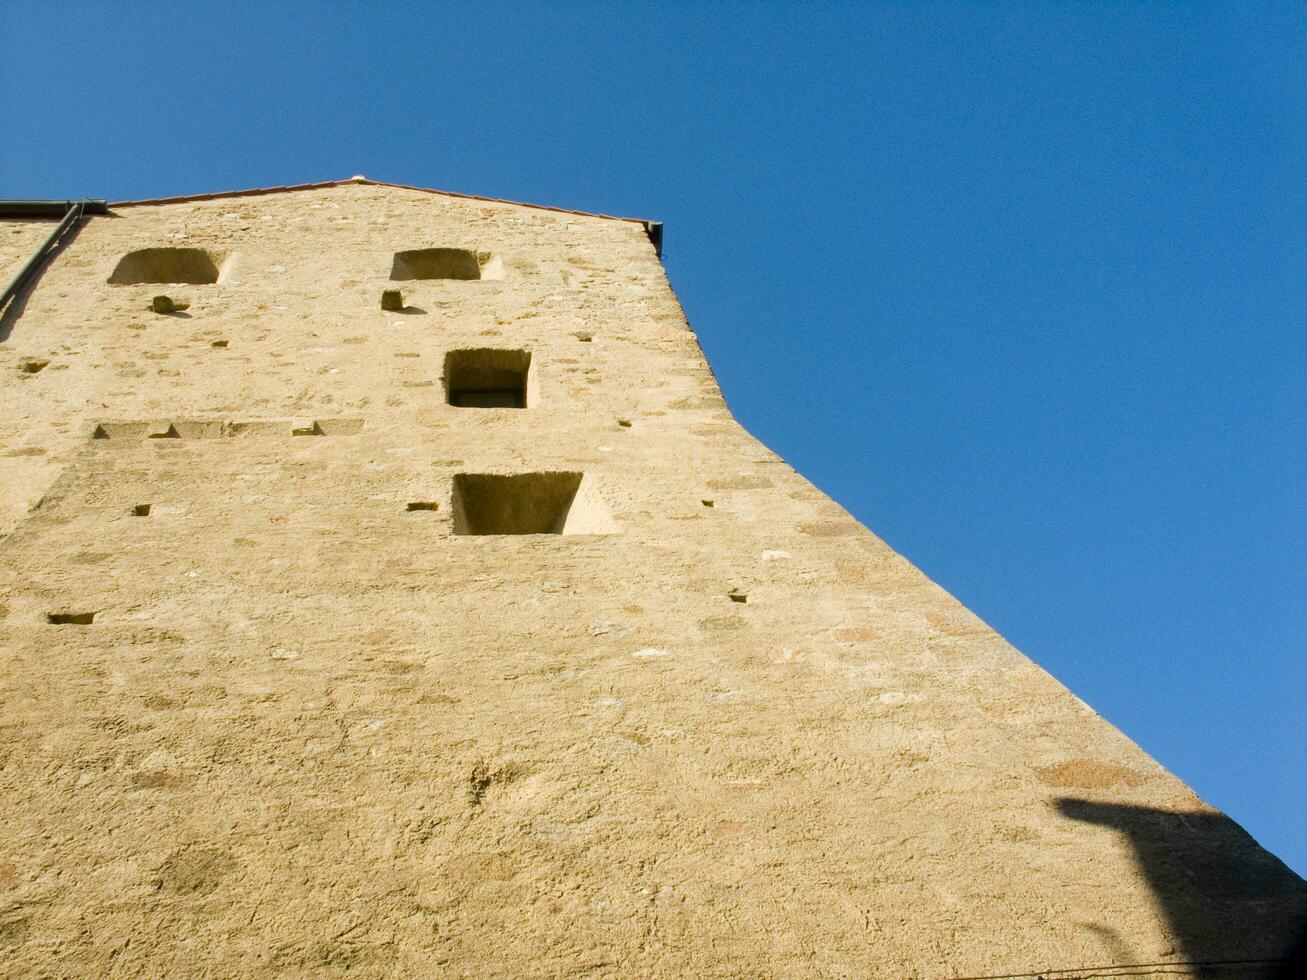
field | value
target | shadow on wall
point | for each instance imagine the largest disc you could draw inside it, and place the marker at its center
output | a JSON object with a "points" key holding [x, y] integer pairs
{"points": [[1225, 897]]}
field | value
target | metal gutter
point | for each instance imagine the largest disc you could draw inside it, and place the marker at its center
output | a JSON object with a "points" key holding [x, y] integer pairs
{"points": [[654, 229], [48, 209]]}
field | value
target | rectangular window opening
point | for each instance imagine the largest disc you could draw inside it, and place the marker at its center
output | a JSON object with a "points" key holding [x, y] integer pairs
{"points": [[445, 263], [168, 265], [529, 503], [488, 378]]}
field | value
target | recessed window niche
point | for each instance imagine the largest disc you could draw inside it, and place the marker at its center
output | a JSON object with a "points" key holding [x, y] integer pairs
{"points": [[529, 503], [446, 263], [167, 265], [486, 378]]}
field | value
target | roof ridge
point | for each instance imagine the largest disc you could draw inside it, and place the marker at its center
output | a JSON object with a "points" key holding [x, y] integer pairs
{"points": [[360, 179]]}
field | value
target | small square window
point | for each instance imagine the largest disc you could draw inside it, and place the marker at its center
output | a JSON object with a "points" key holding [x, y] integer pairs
{"points": [[488, 378]]}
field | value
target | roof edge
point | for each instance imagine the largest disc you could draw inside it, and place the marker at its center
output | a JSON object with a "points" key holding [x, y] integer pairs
{"points": [[257, 191]]}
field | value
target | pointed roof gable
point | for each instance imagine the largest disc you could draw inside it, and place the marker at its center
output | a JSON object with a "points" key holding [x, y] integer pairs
{"points": [[653, 228]]}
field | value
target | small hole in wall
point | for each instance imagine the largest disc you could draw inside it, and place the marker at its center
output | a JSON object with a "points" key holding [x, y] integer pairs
{"points": [[141, 510], [737, 597], [585, 338], [220, 344], [422, 505], [70, 618], [624, 423], [708, 503]]}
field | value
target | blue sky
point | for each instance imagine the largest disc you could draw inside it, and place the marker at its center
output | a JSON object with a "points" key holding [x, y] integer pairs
{"points": [[1022, 286]]}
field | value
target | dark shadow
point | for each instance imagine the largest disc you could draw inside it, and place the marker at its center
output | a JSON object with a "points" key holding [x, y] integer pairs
{"points": [[410, 310], [1294, 966], [14, 310], [1225, 898], [176, 315]]}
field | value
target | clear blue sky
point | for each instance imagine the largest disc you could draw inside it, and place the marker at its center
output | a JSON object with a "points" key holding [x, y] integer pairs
{"points": [[1023, 287]]}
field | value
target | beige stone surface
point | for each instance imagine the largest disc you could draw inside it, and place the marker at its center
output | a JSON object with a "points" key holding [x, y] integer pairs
{"points": [[313, 731]]}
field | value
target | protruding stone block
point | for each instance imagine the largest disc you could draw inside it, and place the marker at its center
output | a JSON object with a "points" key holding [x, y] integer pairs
{"points": [[392, 300], [166, 304]]}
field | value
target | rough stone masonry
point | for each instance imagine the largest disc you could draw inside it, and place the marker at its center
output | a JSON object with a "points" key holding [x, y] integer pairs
{"points": [[474, 637]]}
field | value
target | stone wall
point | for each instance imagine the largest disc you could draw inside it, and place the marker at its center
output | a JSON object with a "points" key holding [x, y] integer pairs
{"points": [[311, 728]]}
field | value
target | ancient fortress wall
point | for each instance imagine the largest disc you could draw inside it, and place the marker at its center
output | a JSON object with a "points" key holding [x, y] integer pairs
{"points": [[327, 715]]}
